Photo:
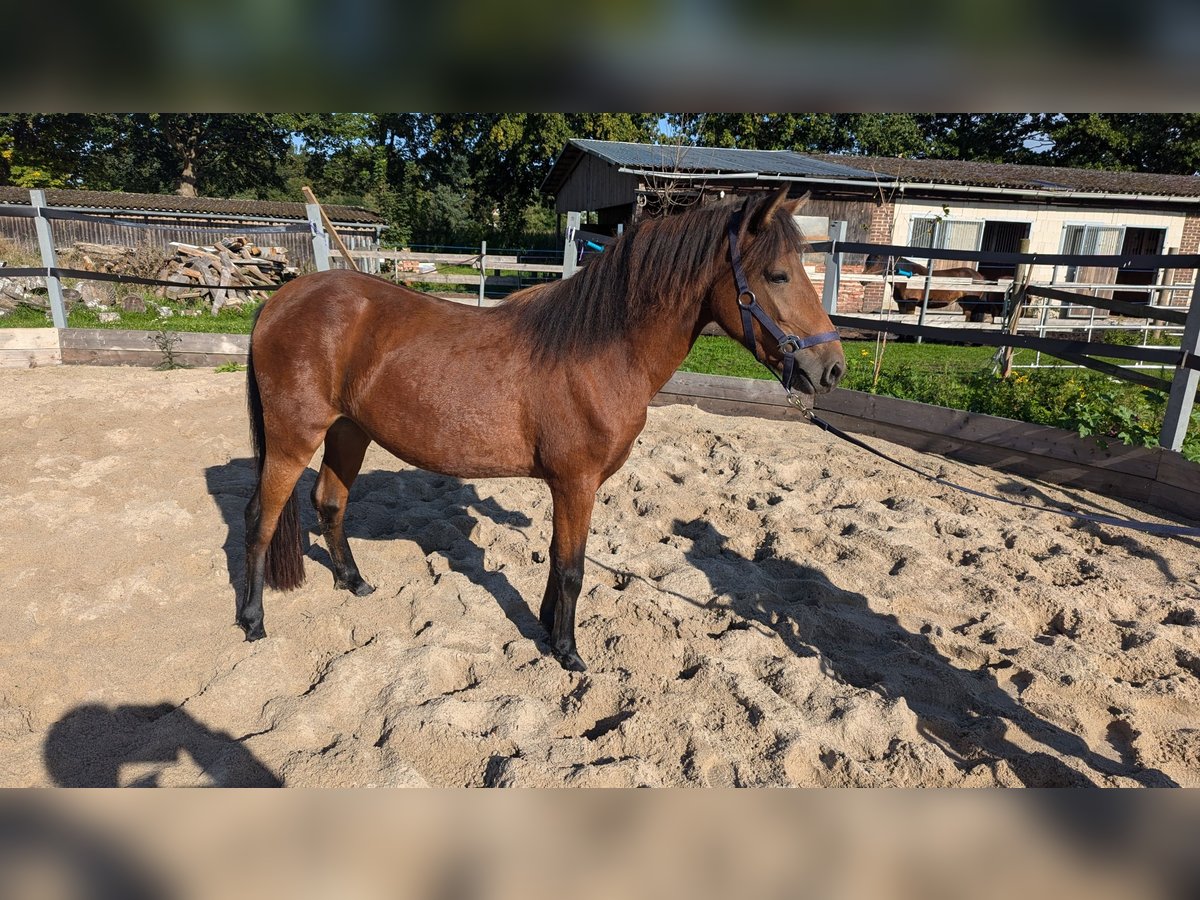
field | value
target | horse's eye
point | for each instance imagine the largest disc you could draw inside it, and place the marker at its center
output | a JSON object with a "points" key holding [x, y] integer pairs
{"points": [[777, 277]]}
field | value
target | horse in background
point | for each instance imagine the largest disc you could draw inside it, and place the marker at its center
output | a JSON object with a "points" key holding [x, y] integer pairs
{"points": [[908, 298]]}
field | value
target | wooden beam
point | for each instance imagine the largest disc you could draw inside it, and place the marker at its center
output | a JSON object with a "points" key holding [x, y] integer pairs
{"points": [[337, 238]]}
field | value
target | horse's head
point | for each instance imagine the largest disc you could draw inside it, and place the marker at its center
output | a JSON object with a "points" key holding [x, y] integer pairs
{"points": [[767, 248], [875, 264]]}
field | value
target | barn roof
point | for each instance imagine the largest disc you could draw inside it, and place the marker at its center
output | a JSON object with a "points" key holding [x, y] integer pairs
{"points": [[697, 160], [1021, 177], [171, 203], [702, 161]]}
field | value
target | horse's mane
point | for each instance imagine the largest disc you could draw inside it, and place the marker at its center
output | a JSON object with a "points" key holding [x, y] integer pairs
{"points": [[660, 265]]}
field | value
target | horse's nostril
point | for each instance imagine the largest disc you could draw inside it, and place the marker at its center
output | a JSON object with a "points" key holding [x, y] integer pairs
{"points": [[834, 374]]}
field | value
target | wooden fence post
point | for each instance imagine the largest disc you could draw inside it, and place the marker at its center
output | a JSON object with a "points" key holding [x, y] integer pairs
{"points": [[570, 257], [58, 310], [330, 231], [482, 269], [320, 240], [1017, 303], [833, 268], [1185, 382]]}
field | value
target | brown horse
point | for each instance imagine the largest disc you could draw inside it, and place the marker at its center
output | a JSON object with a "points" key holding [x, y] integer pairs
{"points": [[552, 384], [909, 299]]}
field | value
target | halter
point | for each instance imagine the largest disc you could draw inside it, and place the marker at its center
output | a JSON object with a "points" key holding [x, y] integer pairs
{"points": [[789, 344]]}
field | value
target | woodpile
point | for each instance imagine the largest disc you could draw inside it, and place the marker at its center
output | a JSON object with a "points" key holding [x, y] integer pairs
{"points": [[226, 274], [229, 273]]}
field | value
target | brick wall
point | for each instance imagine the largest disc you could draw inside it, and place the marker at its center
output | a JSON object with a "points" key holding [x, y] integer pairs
{"points": [[1190, 243], [853, 296]]}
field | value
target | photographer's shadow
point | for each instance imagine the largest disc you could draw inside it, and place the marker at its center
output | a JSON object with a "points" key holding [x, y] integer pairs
{"points": [[965, 712], [90, 744]]}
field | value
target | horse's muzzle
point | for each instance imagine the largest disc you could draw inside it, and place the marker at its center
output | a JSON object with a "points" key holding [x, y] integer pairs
{"points": [[817, 373]]}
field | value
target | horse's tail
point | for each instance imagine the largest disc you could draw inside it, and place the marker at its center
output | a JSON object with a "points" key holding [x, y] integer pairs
{"points": [[284, 560]]}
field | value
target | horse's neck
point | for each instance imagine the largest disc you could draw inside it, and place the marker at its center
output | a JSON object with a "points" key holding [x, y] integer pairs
{"points": [[658, 346]]}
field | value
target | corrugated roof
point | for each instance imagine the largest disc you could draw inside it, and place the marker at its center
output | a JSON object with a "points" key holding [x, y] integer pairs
{"points": [[717, 159], [168, 203], [949, 172], [698, 160], [1007, 175]]}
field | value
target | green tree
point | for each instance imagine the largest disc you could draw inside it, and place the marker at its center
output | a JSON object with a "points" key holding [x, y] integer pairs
{"points": [[495, 163], [988, 137], [1149, 142]]}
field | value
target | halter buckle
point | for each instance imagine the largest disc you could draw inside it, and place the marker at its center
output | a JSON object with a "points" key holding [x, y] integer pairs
{"points": [[747, 293], [797, 400]]}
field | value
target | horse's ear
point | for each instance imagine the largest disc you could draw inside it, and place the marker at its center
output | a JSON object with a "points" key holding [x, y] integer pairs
{"points": [[769, 208], [799, 203]]}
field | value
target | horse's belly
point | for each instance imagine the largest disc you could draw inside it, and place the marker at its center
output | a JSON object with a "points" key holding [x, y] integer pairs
{"points": [[464, 443]]}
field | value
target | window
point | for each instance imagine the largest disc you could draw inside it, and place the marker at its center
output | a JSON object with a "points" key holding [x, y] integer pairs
{"points": [[1090, 240], [945, 234], [1101, 240]]}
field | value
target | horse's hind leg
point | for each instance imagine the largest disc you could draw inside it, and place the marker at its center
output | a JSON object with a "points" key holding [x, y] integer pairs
{"points": [[345, 446], [267, 513], [573, 504]]}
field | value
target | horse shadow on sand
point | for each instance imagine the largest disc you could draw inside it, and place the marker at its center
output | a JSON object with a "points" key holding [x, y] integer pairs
{"points": [[967, 713], [434, 511]]}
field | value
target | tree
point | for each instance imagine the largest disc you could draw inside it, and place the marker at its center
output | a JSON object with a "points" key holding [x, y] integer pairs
{"points": [[495, 163], [988, 137], [214, 153], [1168, 143]]}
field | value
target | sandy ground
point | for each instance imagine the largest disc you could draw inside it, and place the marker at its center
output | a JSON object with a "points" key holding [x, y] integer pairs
{"points": [[763, 605]]}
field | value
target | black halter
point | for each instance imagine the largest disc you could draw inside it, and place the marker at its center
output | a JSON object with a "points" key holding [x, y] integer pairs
{"points": [[789, 344]]}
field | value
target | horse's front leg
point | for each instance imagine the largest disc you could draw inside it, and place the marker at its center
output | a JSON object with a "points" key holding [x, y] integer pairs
{"points": [[573, 504]]}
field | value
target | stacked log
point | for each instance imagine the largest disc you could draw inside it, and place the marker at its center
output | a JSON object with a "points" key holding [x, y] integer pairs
{"points": [[230, 273]]}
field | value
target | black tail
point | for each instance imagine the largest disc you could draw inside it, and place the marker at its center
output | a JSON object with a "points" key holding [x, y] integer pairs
{"points": [[285, 561]]}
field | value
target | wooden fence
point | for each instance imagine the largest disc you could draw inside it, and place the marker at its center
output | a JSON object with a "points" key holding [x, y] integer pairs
{"points": [[494, 275], [1185, 360]]}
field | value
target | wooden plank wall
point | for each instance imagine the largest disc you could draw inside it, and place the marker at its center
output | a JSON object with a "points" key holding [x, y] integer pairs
{"points": [[1150, 475], [26, 348], [102, 347]]}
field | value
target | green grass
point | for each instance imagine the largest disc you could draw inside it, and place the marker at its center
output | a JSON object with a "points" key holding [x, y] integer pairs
{"points": [[227, 321], [724, 356], [957, 377]]}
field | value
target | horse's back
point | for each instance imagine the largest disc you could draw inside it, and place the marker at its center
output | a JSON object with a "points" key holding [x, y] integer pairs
{"points": [[436, 383]]}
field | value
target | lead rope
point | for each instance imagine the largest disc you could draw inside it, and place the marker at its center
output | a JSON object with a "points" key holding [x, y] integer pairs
{"points": [[790, 343]]}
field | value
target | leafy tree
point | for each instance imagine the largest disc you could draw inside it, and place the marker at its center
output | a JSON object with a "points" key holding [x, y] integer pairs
{"points": [[495, 163], [1149, 142], [988, 137]]}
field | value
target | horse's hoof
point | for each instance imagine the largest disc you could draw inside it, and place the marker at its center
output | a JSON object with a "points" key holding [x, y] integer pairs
{"points": [[570, 661], [358, 587], [254, 632]]}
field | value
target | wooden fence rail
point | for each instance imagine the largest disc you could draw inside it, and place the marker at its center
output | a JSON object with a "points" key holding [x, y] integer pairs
{"points": [[1186, 361]]}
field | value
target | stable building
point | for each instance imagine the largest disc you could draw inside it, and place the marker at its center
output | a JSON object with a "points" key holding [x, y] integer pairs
{"points": [[951, 204]]}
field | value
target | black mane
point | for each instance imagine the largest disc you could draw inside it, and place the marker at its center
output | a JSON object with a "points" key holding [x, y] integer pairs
{"points": [[660, 265]]}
